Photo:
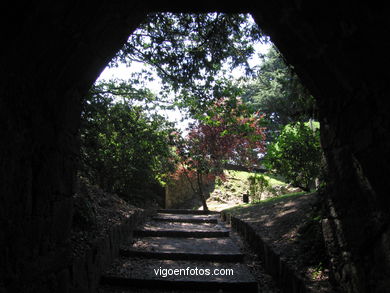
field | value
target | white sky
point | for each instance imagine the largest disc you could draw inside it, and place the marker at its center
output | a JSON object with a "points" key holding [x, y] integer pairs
{"points": [[124, 72]]}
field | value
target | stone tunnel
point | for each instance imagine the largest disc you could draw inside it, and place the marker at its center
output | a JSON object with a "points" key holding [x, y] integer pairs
{"points": [[52, 52]]}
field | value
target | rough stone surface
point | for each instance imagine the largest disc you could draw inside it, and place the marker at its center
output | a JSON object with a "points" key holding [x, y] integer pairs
{"points": [[216, 249], [54, 51], [181, 193], [160, 253], [188, 245], [88, 266], [101, 225], [144, 269], [180, 229], [186, 218]]}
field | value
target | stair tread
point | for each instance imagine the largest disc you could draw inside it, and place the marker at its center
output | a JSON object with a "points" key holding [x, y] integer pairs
{"points": [[180, 251], [185, 217], [211, 246], [179, 226], [185, 211], [132, 289], [180, 229], [139, 269]]}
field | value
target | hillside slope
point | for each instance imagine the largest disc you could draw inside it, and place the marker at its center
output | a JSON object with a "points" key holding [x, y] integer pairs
{"points": [[290, 226]]}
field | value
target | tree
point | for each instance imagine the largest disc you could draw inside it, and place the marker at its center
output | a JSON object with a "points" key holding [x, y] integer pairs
{"points": [[278, 92], [296, 154], [188, 52], [124, 149], [120, 138], [226, 132]]}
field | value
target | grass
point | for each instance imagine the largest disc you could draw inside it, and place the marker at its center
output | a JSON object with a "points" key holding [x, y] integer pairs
{"points": [[236, 209], [275, 180], [242, 175], [230, 193]]}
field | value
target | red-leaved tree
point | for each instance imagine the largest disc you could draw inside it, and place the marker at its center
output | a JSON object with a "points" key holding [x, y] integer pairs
{"points": [[227, 132]]}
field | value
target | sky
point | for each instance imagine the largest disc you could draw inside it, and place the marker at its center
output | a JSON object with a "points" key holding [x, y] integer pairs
{"points": [[124, 72]]}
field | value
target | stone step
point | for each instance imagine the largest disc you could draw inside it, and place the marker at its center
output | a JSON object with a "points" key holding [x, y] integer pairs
{"points": [[178, 229], [172, 233], [186, 218], [212, 249], [186, 212], [178, 274], [132, 289]]}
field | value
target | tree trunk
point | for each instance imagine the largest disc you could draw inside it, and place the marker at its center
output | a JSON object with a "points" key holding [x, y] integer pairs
{"points": [[199, 181], [201, 194]]}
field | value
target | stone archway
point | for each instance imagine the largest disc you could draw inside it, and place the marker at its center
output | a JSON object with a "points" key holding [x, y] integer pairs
{"points": [[52, 53]]}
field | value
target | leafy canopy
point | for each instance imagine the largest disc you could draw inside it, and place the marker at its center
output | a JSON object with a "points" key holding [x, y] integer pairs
{"points": [[188, 52], [278, 92]]}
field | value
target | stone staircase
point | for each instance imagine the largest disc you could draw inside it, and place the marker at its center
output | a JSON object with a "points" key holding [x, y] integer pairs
{"points": [[180, 251]]}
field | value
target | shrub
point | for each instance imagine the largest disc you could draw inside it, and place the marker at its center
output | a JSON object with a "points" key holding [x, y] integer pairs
{"points": [[257, 185], [296, 154], [124, 149]]}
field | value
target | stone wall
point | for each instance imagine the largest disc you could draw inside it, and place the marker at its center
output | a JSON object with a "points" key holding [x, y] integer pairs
{"points": [[180, 194], [53, 51], [86, 269], [274, 264], [326, 45]]}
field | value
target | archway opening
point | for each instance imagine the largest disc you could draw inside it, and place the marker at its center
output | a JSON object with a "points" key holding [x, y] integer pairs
{"points": [[43, 82], [198, 59], [234, 103]]}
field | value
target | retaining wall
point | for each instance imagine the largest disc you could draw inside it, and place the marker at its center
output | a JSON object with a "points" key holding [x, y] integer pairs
{"points": [[85, 271], [274, 264]]}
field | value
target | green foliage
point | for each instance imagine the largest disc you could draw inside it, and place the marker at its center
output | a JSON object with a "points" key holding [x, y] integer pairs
{"points": [[297, 154], [294, 150], [190, 52], [241, 209], [258, 183], [124, 148], [279, 94], [225, 133]]}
